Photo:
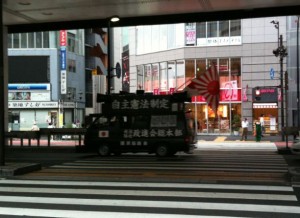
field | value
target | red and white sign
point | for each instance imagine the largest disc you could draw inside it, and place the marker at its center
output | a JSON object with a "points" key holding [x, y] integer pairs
{"points": [[63, 37], [103, 134], [230, 91]]}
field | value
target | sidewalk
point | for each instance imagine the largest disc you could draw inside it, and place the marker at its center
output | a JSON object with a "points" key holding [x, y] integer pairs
{"points": [[235, 141]]}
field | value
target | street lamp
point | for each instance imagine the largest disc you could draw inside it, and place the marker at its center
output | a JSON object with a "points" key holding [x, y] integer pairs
{"points": [[112, 19], [281, 53]]}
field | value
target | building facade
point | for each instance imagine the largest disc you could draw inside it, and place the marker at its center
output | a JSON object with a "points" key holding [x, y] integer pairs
{"points": [[46, 79], [164, 58]]}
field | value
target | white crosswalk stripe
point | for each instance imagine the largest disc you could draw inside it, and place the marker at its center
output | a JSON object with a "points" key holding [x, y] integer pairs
{"points": [[144, 199]]}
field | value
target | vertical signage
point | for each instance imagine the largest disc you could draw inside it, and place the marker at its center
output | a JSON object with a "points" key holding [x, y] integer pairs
{"points": [[63, 61], [190, 33], [125, 71], [63, 38]]}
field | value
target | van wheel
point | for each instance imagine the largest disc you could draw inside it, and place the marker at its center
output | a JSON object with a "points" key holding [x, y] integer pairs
{"points": [[162, 151], [103, 150]]}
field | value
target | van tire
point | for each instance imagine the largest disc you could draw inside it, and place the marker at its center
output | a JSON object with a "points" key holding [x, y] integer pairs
{"points": [[162, 150], [103, 150]]}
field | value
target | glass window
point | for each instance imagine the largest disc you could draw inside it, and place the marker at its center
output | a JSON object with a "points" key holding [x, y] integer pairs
{"points": [[147, 78], [163, 76], [236, 71], [171, 74], [27, 117], [45, 39], [140, 40], [9, 40], [180, 37], [16, 40], [31, 40], [180, 71], [140, 83], [71, 42], [235, 28], [171, 36], [223, 72], [23, 40], [189, 70], [212, 29], [224, 118], [201, 118], [155, 77], [235, 112], [200, 67], [71, 65], [201, 30], [38, 40], [147, 39], [223, 28], [155, 35], [163, 37], [211, 62]]}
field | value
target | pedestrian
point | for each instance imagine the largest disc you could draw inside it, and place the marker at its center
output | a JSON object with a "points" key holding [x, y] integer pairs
{"points": [[257, 131], [74, 125], [35, 127], [190, 126], [50, 126], [262, 123], [245, 125]]}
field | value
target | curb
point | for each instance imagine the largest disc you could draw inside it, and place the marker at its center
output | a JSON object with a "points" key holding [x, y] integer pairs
{"points": [[13, 169]]}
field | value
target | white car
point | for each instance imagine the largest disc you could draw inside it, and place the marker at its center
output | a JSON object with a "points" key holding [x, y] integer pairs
{"points": [[295, 148]]}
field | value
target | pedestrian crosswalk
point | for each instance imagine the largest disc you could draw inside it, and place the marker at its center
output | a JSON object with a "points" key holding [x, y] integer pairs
{"points": [[217, 166], [57, 198]]}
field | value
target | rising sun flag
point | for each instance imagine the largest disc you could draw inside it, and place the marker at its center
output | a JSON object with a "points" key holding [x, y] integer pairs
{"points": [[208, 86]]}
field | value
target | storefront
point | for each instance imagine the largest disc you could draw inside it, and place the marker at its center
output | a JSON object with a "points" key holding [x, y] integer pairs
{"points": [[222, 123], [31, 103], [265, 104]]}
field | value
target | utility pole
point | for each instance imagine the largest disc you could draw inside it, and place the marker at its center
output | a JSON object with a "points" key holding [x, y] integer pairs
{"points": [[297, 56], [111, 20], [281, 53]]}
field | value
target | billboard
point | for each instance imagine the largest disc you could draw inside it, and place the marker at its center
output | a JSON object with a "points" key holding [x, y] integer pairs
{"points": [[28, 69]]}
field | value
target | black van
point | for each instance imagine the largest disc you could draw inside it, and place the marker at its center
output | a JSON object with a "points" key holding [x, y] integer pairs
{"points": [[140, 123]]}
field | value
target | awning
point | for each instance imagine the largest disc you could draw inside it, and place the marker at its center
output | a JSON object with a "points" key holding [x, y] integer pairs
{"points": [[265, 105]]}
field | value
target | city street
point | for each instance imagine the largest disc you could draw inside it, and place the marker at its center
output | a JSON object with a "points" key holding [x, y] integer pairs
{"points": [[219, 179]]}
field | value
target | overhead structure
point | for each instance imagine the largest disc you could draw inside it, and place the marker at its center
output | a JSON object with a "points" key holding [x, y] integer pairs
{"points": [[33, 15]]}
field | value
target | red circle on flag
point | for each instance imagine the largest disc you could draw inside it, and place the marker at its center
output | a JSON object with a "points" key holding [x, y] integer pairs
{"points": [[213, 87]]}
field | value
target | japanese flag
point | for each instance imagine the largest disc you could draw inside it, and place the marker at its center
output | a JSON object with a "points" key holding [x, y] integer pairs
{"points": [[208, 86], [103, 134]]}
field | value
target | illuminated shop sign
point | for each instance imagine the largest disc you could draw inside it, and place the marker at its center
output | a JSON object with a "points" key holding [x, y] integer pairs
{"points": [[63, 37], [28, 86], [265, 94], [33, 104], [63, 59]]}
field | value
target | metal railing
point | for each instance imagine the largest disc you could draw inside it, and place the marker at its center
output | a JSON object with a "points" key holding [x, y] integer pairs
{"points": [[48, 132]]}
